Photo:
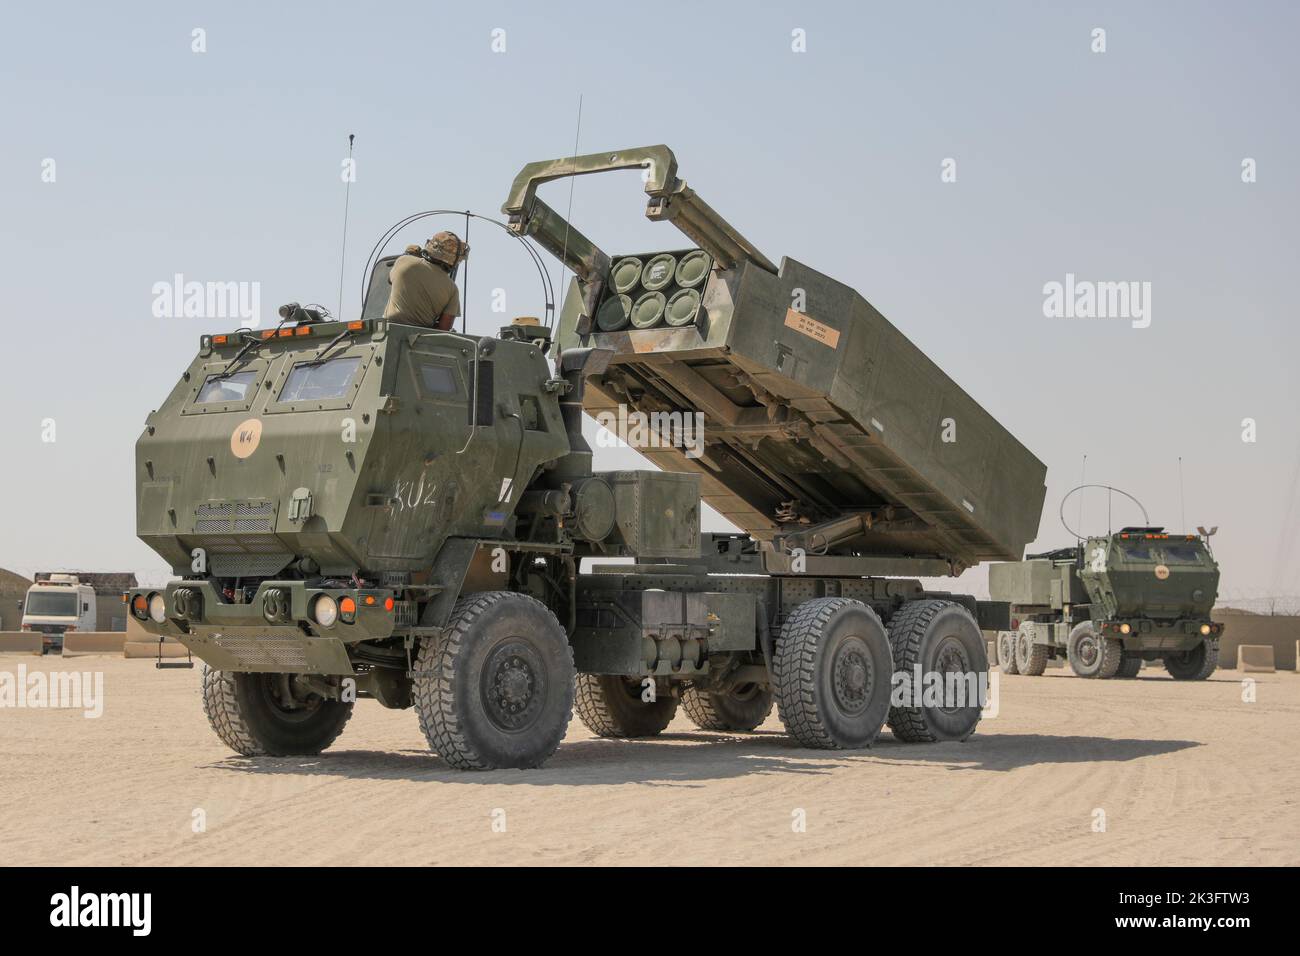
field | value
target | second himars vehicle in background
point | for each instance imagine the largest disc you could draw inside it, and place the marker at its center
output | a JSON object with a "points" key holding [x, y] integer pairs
{"points": [[371, 510], [1110, 603]]}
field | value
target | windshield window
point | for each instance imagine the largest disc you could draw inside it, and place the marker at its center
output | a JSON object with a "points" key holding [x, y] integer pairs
{"points": [[1137, 552], [52, 604], [309, 383], [1186, 554], [232, 388]]}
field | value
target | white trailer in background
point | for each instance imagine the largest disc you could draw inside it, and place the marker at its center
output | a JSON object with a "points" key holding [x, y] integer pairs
{"points": [[56, 605]]}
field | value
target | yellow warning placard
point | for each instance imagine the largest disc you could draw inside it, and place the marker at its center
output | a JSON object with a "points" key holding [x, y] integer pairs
{"points": [[802, 322]]}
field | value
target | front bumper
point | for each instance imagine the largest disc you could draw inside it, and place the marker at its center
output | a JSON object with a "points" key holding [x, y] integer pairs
{"points": [[1152, 635], [248, 637]]}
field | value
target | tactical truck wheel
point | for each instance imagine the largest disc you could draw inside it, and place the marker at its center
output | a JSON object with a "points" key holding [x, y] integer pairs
{"points": [[1197, 664], [265, 715], [1031, 658], [833, 669], [741, 710], [940, 638], [1129, 666], [495, 688], [1007, 652], [1092, 655], [612, 706]]}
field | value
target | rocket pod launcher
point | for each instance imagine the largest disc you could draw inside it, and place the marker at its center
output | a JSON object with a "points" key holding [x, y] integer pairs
{"points": [[824, 425]]}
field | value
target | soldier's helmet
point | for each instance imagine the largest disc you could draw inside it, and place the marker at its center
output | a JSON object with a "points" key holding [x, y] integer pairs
{"points": [[446, 247]]}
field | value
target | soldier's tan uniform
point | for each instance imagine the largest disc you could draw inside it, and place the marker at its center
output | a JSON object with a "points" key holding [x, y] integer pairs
{"points": [[422, 293]]}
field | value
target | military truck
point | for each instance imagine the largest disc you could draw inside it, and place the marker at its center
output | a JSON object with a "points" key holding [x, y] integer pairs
{"points": [[1110, 603], [363, 509]]}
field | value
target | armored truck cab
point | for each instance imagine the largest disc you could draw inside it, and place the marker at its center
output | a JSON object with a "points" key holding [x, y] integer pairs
{"points": [[365, 509], [1111, 603]]}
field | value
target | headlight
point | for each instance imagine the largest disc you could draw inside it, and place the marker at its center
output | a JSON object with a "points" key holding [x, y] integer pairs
{"points": [[1124, 628], [157, 608], [1205, 629], [325, 610]]}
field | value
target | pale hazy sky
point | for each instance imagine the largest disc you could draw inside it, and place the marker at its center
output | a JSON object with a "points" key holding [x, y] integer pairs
{"points": [[1122, 165]]}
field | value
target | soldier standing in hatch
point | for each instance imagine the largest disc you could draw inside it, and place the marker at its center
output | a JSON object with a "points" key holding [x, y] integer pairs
{"points": [[423, 290]]}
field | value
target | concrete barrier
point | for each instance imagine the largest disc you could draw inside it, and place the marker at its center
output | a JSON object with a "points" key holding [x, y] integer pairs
{"points": [[1255, 658], [1281, 632], [142, 649], [93, 642], [135, 630], [21, 642]]}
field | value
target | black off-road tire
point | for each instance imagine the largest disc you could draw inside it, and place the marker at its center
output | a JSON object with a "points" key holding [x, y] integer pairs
{"points": [[833, 669], [941, 637], [1007, 652], [244, 712], [740, 711], [1091, 654], [1197, 664], [1031, 658], [1129, 666], [611, 706], [495, 688]]}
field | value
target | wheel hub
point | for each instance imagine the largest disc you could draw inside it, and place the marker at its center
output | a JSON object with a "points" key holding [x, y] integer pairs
{"points": [[950, 658], [852, 674], [513, 686], [1088, 651]]}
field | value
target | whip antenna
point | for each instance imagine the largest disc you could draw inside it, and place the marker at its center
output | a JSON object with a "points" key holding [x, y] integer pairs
{"points": [[1182, 497], [347, 199], [464, 295], [568, 216], [1083, 477]]}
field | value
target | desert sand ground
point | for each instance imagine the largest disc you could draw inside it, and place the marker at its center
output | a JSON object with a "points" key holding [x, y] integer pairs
{"points": [[1185, 773]]}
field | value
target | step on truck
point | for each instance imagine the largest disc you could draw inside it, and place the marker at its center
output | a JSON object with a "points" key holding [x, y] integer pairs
{"points": [[1111, 603], [368, 510]]}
